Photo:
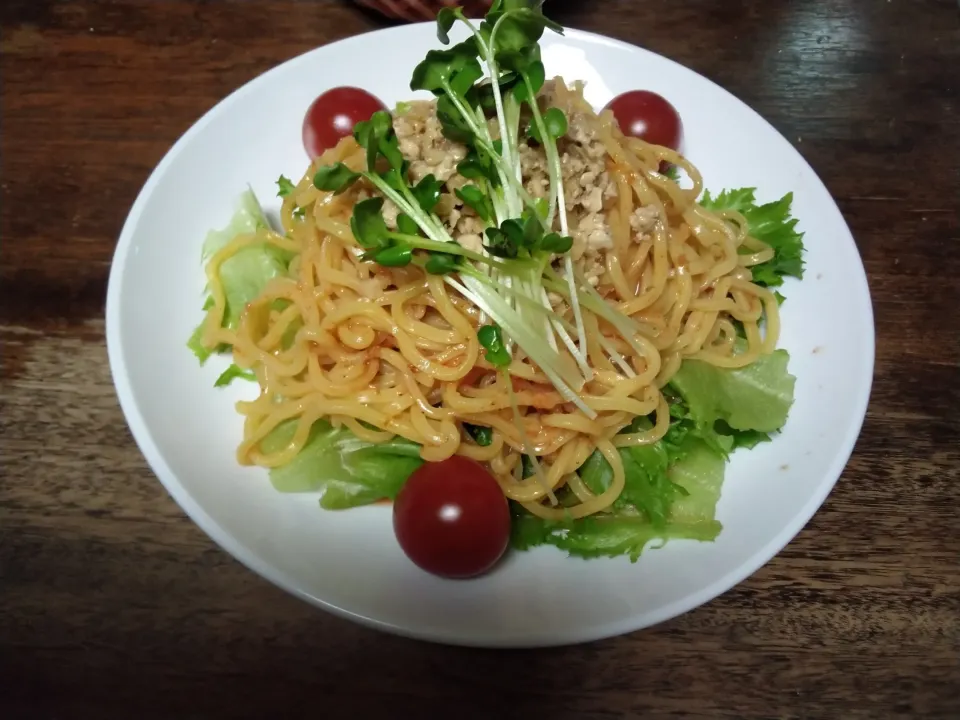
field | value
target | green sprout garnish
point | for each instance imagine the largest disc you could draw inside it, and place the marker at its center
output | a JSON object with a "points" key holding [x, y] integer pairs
{"points": [[480, 434], [495, 73], [285, 186], [491, 339]]}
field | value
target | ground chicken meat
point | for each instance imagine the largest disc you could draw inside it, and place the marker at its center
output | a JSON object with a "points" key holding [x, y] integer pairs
{"points": [[390, 212], [588, 188], [593, 268], [471, 242], [422, 143], [642, 221], [595, 232]]}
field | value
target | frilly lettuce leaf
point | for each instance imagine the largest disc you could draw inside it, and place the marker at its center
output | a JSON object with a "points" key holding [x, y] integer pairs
{"points": [[770, 223], [672, 487], [755, 398], [692, 486]]}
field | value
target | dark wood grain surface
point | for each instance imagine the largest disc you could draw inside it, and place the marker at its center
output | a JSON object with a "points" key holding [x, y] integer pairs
{"points": [[113, 605]]}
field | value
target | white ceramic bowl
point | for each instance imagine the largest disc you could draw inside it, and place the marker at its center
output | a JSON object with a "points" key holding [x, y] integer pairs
{"points": [[348, 562]]}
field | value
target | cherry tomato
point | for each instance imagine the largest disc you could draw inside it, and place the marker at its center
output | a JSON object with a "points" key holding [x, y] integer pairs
{"points": [[333, 115], [452, 519], [648, 116]]}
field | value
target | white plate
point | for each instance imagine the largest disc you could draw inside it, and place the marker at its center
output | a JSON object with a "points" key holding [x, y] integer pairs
{"points": [[349, 562]]}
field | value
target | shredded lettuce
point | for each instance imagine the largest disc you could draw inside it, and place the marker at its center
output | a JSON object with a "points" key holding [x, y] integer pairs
{"points": [[348, 471], [770, 223]]}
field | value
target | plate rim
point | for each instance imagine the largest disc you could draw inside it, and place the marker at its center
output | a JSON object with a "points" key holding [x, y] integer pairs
{"points": [[575, 634]]}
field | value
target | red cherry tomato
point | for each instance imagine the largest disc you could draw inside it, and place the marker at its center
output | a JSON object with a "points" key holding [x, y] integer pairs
{"points": [[648, 116], [452, 519], [333, 115]]}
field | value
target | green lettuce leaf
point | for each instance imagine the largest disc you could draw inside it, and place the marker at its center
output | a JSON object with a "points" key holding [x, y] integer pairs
{"points": [[348, 471], [672, 486], [647, 488], [195, 343], [698, 475], [527, 531], [755, 398], [770, 223], [248, 217], [243, 275], [234, 373]]}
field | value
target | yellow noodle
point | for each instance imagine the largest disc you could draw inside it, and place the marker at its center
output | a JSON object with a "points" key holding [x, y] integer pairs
{"points": [[387, 352]]}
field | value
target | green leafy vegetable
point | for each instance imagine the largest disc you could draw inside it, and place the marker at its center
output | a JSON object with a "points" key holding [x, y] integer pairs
{"points": [[698, 477], [500, 244], [234, 373], [427, 193], [528, 531], [445, 20], [527, 468], [480, 434], [497, 353], [195, 343], [754, 398], [336, 178], [395, 256], [244, 274], [672, 486], [348, 471], [556, 243], [367, 224], [435, 72], [407, 225], [478, 200], [672, 172], [247, 218], [524, 238], [770, 223], [284, 186], [534, 75], [441, 263], [647, 489], [555, 122]]}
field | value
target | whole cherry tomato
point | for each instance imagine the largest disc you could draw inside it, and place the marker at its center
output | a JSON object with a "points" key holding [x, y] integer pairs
{"points": [[451, 518], [333, 115], [648, 116]]}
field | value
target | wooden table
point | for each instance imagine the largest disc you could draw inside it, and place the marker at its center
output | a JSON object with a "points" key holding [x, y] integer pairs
{"points": [[114, 605]]}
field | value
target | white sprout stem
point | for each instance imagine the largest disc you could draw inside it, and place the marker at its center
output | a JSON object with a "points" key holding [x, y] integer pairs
{"points": [[490, 302], [605, 344], [506, 177], [615, 356], [501, 119], [434, 229], [557, 323], [513, 128], [556, 182]]}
